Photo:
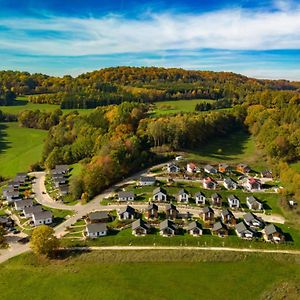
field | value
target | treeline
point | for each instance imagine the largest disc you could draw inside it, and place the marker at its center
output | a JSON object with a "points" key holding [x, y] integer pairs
{"points": [[132, 84], [7, 97], [5, 117], [206, 106], [39, 119]]}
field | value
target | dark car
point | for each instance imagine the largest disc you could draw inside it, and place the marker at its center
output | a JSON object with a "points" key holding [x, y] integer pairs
{"points": [[24, 240], [16, 231]]}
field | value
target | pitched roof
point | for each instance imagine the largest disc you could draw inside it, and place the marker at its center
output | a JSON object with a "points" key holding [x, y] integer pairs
{"points": [[126, 194], [271, 229], [140, 223], [217, 226], [23, 203], [232, 198], [250, 216], [241, 227], [226, 212], [152, 206], [147, 179], [96, 227], [183, 191], [167, 223], [209, 167], [229, 181], [129, 209], [215, 195], [194, 224], [45, 214], [170, 206], [98, 215], [252, 200], [207, 209], [198, 194], [159, 190], [32, 209]]}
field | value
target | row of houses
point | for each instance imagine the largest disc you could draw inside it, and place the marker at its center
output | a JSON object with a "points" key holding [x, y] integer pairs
{"points": [[35, 212], [59, 178], [159, 194], [221, 168], [245, 229], [11, 192]]}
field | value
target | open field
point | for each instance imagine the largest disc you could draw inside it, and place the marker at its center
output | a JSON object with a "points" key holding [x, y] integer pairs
{"points": [[23, 104], [238, 147], [19, 148], [151, 275], [177, 106]]}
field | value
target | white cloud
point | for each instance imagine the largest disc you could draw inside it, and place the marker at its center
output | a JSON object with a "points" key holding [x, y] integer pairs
{"points": [[225, 29]]}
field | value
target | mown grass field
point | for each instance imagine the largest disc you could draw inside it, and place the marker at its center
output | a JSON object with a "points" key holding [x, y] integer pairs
{"points": [[152, 275], [238, 147], [22, 104], [176, 106], [19, 148]]}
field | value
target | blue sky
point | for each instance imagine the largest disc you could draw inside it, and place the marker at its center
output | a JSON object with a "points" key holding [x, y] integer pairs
{"points": [[255, 38]]}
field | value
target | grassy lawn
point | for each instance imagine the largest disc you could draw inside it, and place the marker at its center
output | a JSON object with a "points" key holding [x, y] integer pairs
{"points": [[296, 166], [23, 104], [151, 275], [176, 106], [235, 148], [19, 148]]}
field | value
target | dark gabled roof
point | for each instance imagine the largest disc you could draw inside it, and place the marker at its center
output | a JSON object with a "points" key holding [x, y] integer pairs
{"points": [[167, 223], [207, 209], [232, 197], [64, 188], [199, 194], [147, 179], [170, 206], [241, 227], [226, 212], [152, 206], [217, 226], [46, 214], [96, 227], [128, 209], [250, 216], [194, 224], [12, 193], [159, 190], [182, 191], [252, 200], [215, 195], [125, 194], [229, 181], [23, 203], [140, 223], [62, 168], [271, 229], [209, 167], [32, 209], [98, 215]]}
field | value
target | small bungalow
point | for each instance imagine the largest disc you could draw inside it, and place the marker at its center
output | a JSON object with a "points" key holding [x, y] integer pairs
{"points": [[191, 168], [160, 195], [209, 183], [125, 196], [223, 168], [220, 229], [60, 169], [243, 231], [216, 200], [128, 213], [147, 180], [172, 168], [171, 211], [29, 211], [233, 202], [140, 227], [195, 228], [228, 217], [167, 228], [253, 203], [200, 198], [42, 217], [99, 217], [229, 184], [152, 211], [183, 196], [210, 169], [96, 230], [243, 168], [273, 234], [20, 205], [253, 221], [208, 214], [253, 184]]}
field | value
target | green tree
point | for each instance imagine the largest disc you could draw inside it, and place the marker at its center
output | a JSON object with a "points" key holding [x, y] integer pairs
{"points": [[43, 241]]}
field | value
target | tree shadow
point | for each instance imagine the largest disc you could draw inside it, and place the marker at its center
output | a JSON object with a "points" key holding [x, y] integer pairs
{"points": [[4, 144], [63, 254]]}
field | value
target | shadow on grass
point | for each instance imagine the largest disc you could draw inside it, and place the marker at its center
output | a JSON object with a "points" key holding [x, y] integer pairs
{"points": [[63, 254], [4, 144]]}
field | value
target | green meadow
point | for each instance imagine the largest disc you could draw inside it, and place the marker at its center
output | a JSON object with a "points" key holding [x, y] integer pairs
{"points": [[150, 274], [19, 148]]}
